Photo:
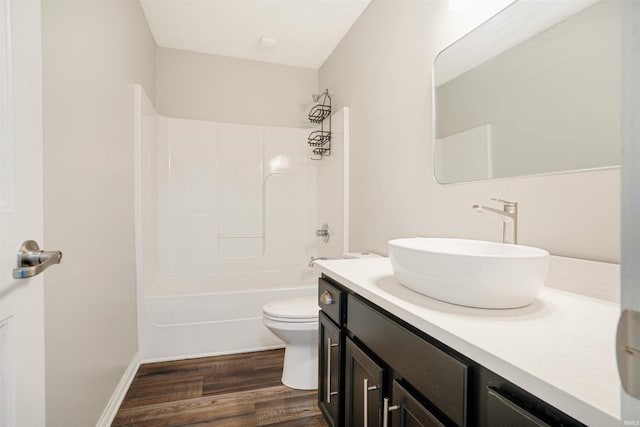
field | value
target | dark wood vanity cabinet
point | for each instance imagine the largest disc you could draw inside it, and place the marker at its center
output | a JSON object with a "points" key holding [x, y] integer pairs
{"points": [[366, 365], [369, 401], [375, 370], [439, 377]]}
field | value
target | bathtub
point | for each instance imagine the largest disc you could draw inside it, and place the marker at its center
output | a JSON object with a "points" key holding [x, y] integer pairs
{"points": [[184, 317]]}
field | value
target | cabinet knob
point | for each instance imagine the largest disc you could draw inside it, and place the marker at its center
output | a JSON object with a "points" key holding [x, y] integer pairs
{"points": [[325, 298]]}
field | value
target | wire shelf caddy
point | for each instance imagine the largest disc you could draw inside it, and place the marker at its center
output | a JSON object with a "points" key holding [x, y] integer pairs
{"points": [[320, 113]]}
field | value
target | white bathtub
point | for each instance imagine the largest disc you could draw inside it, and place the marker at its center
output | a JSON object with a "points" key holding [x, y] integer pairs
{"points": [[184, 317]]}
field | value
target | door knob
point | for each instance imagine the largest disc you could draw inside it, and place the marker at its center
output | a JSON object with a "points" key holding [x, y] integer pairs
{"points": [[628, 352], [33, 261]]}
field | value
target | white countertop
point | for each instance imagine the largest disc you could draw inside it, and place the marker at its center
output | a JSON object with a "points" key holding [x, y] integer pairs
{"points": [[560, 349]]}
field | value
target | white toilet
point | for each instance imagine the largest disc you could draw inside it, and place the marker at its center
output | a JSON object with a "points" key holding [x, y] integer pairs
{"points": [[295, 321]]}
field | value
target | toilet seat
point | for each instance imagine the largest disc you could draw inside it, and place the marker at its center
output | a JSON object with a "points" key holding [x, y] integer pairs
{"points": [[292, 310]]}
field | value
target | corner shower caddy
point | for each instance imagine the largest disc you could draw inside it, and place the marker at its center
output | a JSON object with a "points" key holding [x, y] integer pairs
{"points": [[320, 140]]}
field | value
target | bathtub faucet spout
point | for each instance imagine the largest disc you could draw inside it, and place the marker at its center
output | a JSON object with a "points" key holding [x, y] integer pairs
{"points": [[314, 259]]}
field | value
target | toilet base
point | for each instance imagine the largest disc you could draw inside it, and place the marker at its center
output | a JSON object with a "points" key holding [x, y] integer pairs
{"points": [[300, 369]]}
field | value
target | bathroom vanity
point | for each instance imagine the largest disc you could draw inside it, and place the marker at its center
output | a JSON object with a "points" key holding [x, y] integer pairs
{"points": [[391, 357]]}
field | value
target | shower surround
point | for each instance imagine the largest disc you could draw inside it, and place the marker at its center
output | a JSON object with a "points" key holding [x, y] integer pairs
{"points": [[225, 222]]}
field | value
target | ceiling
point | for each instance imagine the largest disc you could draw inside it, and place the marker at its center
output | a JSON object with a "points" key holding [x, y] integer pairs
{"points": [[307, 31]]}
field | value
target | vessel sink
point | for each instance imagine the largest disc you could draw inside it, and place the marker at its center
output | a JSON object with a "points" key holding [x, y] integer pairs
{"points": [[470, 272]]}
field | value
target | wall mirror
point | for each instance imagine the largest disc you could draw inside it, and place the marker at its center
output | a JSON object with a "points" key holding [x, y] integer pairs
{"points": [[534, 90]]}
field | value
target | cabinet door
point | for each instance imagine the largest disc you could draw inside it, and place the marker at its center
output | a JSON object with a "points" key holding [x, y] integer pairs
{"points": [[329, 367], [438, 376], [408, 412], [363, 388], [502, 412]]}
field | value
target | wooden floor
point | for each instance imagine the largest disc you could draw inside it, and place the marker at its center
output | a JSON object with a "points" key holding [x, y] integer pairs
{"points": [[237, 390]]}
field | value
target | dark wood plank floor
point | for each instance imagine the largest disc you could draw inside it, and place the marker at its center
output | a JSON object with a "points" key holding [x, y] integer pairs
{"points": [[224, 391]]}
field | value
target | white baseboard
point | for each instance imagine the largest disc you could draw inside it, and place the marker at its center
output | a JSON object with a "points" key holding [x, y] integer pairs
{"points": [[117, 397]]}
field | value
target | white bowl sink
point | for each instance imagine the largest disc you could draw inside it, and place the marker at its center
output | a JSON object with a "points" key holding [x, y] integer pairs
{"points": [[470, 272]]}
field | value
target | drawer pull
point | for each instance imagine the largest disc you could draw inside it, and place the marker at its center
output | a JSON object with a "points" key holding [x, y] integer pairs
{"points": [[385, 411], [330, 345], [325, 298], [366, 389]]}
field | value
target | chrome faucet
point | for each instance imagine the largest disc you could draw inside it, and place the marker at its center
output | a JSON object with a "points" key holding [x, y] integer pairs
{"points": [[509, 214]]}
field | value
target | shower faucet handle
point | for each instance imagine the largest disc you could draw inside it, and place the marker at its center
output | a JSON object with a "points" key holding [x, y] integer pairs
{"points": [[323, 232]]}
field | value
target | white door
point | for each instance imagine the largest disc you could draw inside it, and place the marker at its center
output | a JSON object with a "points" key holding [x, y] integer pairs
{"points": [[629, 329], [22, 392]]}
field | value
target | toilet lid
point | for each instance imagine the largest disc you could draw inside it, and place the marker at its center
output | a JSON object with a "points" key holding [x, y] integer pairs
{"points": [[293, 309]]}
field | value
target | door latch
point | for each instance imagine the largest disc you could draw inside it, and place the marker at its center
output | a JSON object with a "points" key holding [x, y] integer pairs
{"points": [[33, 261], [628, 352]]}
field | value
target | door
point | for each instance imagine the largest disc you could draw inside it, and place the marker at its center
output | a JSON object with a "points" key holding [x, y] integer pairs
{"points": [[21, 301], [329, 363], [628, 340], [363, 388]]}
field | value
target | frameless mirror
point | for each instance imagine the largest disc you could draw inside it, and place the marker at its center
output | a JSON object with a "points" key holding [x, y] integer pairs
{"points": [[534, 90]]}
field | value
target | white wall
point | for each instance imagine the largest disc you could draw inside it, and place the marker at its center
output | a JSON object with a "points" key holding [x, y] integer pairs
{"points": [[382, 70], [199, 86], [93, 53]]}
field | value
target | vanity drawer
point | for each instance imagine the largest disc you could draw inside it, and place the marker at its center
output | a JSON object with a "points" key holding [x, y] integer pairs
{"points": [[331, 301], [503, 412], [438, 376]]}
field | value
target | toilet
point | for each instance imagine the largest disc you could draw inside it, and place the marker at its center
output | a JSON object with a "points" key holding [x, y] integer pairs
{"points": [[295, 321]]}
